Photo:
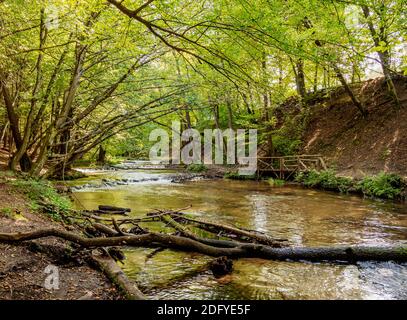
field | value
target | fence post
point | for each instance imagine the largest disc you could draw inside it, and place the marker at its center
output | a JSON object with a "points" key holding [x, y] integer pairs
{"points": [[281, 167]]}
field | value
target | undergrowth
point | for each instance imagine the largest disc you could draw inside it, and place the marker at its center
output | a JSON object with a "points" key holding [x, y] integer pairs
{"points": [[384, 185], [197, 168], [43, 197], [236, 176]]}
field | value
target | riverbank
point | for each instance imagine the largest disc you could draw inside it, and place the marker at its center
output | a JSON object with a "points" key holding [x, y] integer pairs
{"points": [[23, 267]]}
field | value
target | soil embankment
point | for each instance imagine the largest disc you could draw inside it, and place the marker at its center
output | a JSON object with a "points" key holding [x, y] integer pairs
{"points": [[357, 146], [23, 267]]}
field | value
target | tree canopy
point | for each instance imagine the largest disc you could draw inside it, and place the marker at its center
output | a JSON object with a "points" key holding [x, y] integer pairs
{"points": [[77, 73]]}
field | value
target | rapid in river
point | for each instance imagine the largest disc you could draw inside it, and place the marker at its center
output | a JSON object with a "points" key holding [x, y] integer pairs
{"points": [[304, 217]]}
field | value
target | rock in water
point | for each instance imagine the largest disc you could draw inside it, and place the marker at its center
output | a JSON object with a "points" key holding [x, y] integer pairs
{"points": [[221, 266]]}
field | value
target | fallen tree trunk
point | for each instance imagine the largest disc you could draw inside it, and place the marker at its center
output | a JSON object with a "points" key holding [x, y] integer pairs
{"points": [[99, 212], [187, 233], [258, 237], [117, 277], [337, 253], [88, 214], [112, 208]]}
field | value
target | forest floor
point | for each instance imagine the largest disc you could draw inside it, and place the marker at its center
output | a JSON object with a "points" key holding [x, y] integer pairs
{"points": [[357, 146], [23, 267]]}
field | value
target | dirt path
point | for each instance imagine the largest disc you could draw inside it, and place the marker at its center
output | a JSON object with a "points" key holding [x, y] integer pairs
{"points": [[23, 268]]}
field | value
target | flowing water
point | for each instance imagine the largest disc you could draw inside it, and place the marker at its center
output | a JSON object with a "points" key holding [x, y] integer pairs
{"points": [[304, 217]]}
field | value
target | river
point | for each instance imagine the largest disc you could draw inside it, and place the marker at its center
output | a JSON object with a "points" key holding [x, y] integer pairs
{"points": [[304, 217]]}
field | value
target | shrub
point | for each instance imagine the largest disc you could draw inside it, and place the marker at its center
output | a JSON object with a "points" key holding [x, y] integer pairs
{"points": [[197, 168], [236, 176], [384, 185], [326, 179]]}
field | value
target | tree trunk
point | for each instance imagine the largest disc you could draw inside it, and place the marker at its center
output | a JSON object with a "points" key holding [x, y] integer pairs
{"points": [[118, 277], [349, 91], [21, 153], [336, 253], [300, 78], [25, 161], [316, 78], [101, 160], [384, 55], [266, 106]]}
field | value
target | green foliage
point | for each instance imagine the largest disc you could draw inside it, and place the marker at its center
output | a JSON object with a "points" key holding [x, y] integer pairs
{"points": [[6, 212], [285, 146], [43, 196], [232, 175], [384, 185], [276, 182], [205, 63], [326, 180], [197, 168]]}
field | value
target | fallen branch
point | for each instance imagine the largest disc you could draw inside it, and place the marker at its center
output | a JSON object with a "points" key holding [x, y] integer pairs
{"points": [[113, 209], [337, 253], [187, 233], [117, 276], [258, 237]]}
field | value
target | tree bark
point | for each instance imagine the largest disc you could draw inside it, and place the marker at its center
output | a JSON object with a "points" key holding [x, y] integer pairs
{"points": [[25, 161], [101, 156], [117, 277], [349, 91], [300, 78]]}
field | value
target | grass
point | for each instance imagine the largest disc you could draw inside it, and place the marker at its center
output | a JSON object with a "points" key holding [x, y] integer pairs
{"points": [[6, 212], [44, 197], [236, 176], [276, 182]]}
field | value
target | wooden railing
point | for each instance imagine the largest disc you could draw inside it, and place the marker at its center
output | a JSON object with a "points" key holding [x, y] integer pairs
{"points": [[286, 166]]}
